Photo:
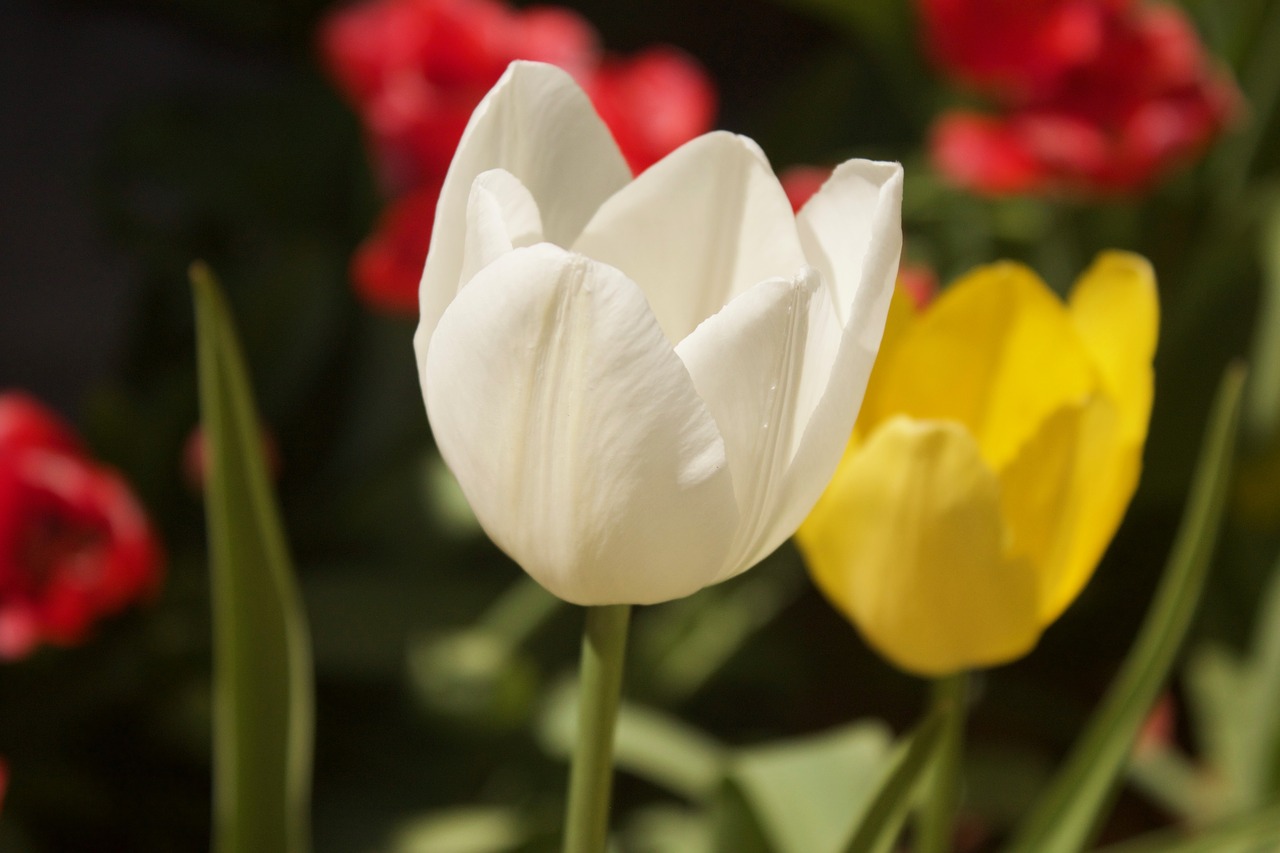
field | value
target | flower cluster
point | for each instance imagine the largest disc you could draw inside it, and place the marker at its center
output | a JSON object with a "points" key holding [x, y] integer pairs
{"points": [[996, 453], [1094, 95], [415, 70], [74, 544]]}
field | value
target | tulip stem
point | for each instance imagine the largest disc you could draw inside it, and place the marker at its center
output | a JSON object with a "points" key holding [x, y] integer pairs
{"points": [[604, 643], [934, 826]]}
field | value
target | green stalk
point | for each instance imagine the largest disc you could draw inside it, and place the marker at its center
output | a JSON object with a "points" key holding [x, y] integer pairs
{"points": [[604, 644], [937, 813]]}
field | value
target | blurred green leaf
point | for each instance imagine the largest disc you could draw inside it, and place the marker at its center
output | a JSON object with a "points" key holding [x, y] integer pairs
{"points": [[682, 645], [263, 694], [1070, 812], [882, 821], [1172, 781], [647, 743], [808, 795], [666, 829], [475, 829], [1236, 708], [1256, 833], [1262, 409]]}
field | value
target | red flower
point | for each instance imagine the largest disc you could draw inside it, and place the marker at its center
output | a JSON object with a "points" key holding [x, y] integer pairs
{"points": [[653, 103], [74, 544], [387, 267], [1140, 100], [1017, 49], [919, 282], [416, 69], [800, 183]]}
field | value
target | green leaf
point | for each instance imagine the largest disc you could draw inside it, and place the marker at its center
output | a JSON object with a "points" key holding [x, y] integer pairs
{"points": [[1068, 815], [666, 828], [647, 743], [882, 821], [474, 829], [1236, 708], [807, 795], [1256, 833], [1262, 408], [262, 680]]}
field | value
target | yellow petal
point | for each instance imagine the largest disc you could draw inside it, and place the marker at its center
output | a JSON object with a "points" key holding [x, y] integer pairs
{"points": [[1065, 495], [909, 543], [1117, 312], [996, 352]]}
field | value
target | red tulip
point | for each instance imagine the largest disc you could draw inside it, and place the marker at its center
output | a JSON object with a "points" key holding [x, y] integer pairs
{"points": [[1113, 107], [387, 266], [416, 69], [74, 543], [653, 102]]}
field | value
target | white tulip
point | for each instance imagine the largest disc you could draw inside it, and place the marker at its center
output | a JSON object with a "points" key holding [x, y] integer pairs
{"points": [[643, 386]]}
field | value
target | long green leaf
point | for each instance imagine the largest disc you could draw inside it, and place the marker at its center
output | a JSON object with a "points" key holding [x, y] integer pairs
{"points": [[882, 821], [263, 694], [1068, 815]]}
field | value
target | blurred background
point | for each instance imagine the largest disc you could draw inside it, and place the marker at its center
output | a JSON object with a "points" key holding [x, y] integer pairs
{"points": [[294, 145]]}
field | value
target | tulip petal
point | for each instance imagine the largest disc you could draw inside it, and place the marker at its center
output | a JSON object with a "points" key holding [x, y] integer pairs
{"points": [[501, 215], [1066, 493], [747, 363], [538, 125], [576, 433], [851, 231], [1117, 314], [841, 353], [702, 225], [908, 543], [996, 352]]}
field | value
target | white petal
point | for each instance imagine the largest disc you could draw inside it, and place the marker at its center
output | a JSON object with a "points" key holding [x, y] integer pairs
{"points": [[869, 198], [747, 363], [501, 215], [539, 126], [851, 231], [696, 229], [576, 433]]}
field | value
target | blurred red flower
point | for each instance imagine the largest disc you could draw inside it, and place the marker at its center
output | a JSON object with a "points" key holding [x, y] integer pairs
{"points": [[653, 102], [74, 544], [800, 183], [387, 266], [1121, 94], [415, 69]]}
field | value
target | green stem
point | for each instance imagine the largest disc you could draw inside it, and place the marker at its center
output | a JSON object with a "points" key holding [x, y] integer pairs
{"points": [[934, 826], [604, 643]]}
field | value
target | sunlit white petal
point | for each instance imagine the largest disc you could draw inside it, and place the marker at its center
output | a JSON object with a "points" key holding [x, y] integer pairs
{"points": [[501, 215], [747, 362], [696, 229], [539, 126], [576, 433]]}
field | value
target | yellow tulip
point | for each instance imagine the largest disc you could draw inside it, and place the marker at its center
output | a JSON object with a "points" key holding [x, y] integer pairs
{"points": [[997, 449]]}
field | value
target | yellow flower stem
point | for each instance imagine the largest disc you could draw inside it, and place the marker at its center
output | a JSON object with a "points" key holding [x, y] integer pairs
{"points": [[934, 824], [604, 644]]}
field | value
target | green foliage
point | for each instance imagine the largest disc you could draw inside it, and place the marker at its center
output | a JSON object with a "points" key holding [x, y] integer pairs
{"points": [[263, 694], [1070, 813]]}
